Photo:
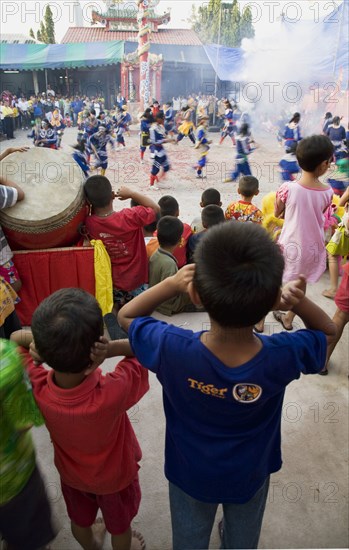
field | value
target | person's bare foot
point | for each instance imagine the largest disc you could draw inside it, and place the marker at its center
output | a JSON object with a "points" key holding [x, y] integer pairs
{"points": [[99, 531], [329, 293], [137, 542]]}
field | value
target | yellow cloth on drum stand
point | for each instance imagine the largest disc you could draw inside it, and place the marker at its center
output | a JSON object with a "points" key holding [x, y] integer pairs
{"points": [[103, 277]]}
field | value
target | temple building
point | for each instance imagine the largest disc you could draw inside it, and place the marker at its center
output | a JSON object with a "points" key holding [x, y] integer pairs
{"points": [[178, 62]]}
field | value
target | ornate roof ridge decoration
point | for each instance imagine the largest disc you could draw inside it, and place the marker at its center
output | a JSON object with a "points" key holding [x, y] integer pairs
{"points": [[129, 14]]}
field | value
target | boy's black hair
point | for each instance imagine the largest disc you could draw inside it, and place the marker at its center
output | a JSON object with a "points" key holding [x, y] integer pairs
{"points": [[328, 115], [312, 151], [248, 186], [336, 120], [65, 326], [98, 191], [238, 273], [160, 115], [170, 231], [168, 206], [212, 215], [211, 196]]}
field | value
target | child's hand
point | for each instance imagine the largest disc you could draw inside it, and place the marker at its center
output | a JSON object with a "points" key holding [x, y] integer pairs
{"points": [[123, 193], [184, 277], [34, 354], [99, 351], [292, 293]]}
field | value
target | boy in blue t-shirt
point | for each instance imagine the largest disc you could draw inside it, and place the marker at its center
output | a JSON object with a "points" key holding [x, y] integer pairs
{"points": [[223, 389]]}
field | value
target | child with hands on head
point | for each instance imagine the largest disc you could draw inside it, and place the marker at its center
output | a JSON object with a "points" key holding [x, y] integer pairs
{"points": [[223, 388], [97, 454]]}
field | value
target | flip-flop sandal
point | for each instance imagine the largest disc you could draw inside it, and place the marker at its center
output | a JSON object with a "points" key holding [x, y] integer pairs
{"points": [[256, 329], [328, 294], [137, 542], [279, 317], [323, 372]]}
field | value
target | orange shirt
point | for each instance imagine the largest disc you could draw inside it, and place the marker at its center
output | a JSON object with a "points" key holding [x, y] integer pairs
{"points": [[180, 252]]}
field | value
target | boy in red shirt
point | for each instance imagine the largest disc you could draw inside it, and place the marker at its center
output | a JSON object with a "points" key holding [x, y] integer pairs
{"points": [[169, 207], [121, 233], [95, 448]]}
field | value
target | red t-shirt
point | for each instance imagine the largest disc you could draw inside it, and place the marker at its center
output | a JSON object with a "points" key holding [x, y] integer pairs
{"points": [[123, 238], [95, 447]]}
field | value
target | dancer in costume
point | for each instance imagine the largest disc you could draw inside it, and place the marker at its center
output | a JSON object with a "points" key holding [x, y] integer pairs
{"points": [[146, 122], [57, 122], [243, 149], [81, 156], [326, 123], [337, 135], [99, 142], [157, 139], [202, 144], [186, 129], [292, 131], [229, 128], [289, 165], [46, 136], [169, 119], [90, 127], [122, 119]]}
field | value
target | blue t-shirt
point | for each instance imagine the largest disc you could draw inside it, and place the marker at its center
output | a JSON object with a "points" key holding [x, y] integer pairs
{"points": [[223, 424]]}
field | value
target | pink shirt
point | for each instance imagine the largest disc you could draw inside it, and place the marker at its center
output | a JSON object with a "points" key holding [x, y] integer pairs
{"points": [[95, 447], [302, 237]]}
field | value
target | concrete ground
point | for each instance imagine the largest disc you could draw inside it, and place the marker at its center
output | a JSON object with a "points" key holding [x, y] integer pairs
{"points": [[307, 505]]}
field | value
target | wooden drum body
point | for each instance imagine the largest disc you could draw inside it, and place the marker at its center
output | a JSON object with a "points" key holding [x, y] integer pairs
{"points": [[54, 205]]}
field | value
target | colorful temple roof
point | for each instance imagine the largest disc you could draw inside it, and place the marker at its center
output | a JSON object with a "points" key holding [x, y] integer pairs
{"points": [[176, 37]]}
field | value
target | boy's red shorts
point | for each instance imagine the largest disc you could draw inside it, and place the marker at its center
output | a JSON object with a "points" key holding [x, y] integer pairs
{"points": [[342, 296], [118, 509]]}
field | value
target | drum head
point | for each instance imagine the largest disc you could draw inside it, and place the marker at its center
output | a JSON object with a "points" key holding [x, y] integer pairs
{"points": [[53, 185]]}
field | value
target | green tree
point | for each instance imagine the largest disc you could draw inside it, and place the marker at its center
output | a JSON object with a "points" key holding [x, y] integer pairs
{"points": [[49, 26], [38, 36], [31, 34], [219, 21], [43, 33]]}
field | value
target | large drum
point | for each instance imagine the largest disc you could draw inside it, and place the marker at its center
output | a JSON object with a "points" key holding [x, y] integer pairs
{"points": [[54, 206]]}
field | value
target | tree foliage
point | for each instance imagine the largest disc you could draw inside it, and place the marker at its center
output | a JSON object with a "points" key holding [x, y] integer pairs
{"points": [[221, 22], [46, 32], [31, 33]]}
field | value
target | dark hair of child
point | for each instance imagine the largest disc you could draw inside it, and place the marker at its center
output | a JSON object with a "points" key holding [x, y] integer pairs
{"points": [[211, 196], [212, 215], [296, 118], [238, 273], [168, 206], [248, 186], [98, 191], [93, 112], [312, 151], [336, 120], [65, 326], [328, 115], [170, 230]]}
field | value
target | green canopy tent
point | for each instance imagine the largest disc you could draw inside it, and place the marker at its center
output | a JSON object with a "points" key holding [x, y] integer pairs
{"points": [[34, 57]]}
